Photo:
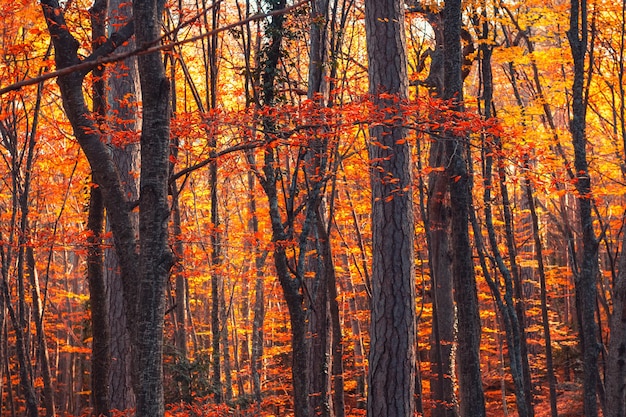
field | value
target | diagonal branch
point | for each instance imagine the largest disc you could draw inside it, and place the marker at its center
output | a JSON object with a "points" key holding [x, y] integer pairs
{"points": [[100, 58]]}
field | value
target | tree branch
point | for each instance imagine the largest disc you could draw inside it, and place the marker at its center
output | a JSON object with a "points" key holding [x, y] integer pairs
{"points": [[59, 28]]}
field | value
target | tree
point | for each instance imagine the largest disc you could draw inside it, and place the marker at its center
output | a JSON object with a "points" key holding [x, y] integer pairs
{"points": [[470, 382], [145, 262], [437, 221], [392, 348], [101, 339], [123, 114], [585, 277]]}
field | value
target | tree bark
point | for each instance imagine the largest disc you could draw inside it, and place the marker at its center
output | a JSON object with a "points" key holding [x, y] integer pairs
{"points": [[471, 394], [392, 333], [122, 82], [615, 376], [143, 274], [155, 257], [585, 277], [291, 284], [100, 345], [544, 296], [100, 350]]}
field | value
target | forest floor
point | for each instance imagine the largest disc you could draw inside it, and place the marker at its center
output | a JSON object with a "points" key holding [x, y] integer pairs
{"points": [[569, 402]]}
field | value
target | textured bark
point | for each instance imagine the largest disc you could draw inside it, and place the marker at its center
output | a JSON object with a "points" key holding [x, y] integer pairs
{"points": [[392, 347], [143, 274], [291, 284], [444, 313], [100, 350], [318, 348], [155, 256], [544, 297], [100, 345], [326, 338], [585, 277], [615, 376], [122, 83], [471, 393], [437, 219]]}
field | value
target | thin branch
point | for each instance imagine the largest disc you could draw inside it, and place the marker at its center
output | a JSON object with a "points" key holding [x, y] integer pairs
{"points": [[94, 61]]}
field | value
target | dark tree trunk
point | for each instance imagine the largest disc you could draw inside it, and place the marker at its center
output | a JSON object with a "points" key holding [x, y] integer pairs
{"points": [[259, 300], [444, 312], [615, 377], [471, 394], [143, 274], [155, 257], [392, 333], [123, 81], [437, 220], [544, 296], [511, 311], [585, 277], [291, 284], [100, 347]]}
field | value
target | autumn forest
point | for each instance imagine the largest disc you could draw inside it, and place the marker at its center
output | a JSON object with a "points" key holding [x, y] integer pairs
{"points": [[382, 208]]}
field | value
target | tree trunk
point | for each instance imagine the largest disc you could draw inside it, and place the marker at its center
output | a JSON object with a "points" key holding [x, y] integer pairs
{"points": [[392, 333], [256, 358], [143, 274], [155, 258], [100, 345], [100, 350], [470, 383], [615, 377], [437, 221], [444, 313], [291, 283], [122, 82], [585, 277], [544, 296]]}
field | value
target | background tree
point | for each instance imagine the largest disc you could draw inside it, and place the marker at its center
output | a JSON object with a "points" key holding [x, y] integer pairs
{"points": [[471, 394], [585, 277]]}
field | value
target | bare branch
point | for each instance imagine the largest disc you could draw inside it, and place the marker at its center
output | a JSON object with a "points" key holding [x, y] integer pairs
{"points": [[97, 58]]}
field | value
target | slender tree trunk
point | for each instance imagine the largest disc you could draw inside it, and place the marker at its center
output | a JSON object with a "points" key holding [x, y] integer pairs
{"points": [[100, 351], [256, 358], [444, 312], [437, 221], [585, 279], [216, 299], [336, 344], [471, 393], [181, 318], [510, 309], [100, 346], [291, 284], [392, 333], [615, 377], [544, 297]]}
